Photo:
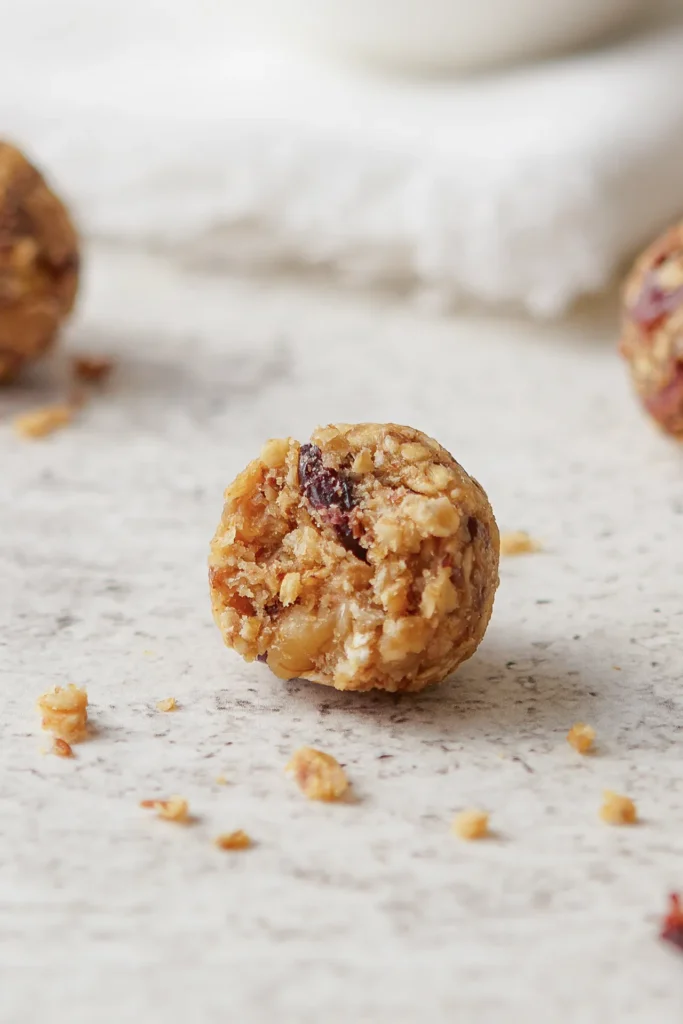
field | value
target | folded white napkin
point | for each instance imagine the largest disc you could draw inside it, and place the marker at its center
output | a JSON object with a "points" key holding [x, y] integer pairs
{"points": [[528, 187]]}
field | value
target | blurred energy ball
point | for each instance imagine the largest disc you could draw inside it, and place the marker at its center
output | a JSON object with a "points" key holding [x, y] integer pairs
{"points": [[447, 35]]}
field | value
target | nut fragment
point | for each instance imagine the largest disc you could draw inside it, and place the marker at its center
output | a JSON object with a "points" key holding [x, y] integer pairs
{"points": [[618, 810], [38, 263], [238, 840], [173, 809], [43, 421], [518, 542], [65, 712], [318, 775], [61, 748], [581, 737], [168, 704], [471, 824]]}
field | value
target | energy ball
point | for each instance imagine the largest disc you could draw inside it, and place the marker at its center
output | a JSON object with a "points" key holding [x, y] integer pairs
{"points": [[38, 263], [365, 558], [652, 333]]}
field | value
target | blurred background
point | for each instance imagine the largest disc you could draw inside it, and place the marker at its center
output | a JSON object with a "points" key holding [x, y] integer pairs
{"points": [[507, 152]]}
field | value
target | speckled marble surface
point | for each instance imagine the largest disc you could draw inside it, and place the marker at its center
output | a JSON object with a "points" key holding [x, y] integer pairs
{"points": [[369, 910]]}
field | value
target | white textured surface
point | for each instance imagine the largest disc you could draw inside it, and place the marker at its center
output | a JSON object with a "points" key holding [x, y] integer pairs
{"points": [[528, 188], [369, 911]]}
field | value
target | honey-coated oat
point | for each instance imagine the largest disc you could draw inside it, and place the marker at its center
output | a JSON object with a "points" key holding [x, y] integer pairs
{"points": [[38, 263], [471, 824], [617, 809], [365, 558], [652, 330]]}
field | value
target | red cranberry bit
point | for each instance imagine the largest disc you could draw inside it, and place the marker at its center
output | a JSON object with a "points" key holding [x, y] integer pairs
{"points": [[654, 303], [672, 929], [330, 492]]}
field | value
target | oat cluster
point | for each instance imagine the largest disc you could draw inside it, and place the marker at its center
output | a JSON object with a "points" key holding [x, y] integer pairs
{"points": [[64, 711], [365, 558]]}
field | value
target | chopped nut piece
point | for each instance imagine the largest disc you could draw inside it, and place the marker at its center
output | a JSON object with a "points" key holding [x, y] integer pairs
{"points": [[41, 422], [274, 452], [672, 929], [518, 542], [168, 704], [290, 588], [173, 809], [471, 824], [65, 712], [91, 369], [318, 775], [618, 810], [581, 737], [233, 840], [61, 748]]}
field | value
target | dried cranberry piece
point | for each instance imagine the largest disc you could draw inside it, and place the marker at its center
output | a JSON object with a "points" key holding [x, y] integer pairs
{"points": [[654, 303], [672, 929], [666, 405], [330, 492], [262, 657], [472, 527]]}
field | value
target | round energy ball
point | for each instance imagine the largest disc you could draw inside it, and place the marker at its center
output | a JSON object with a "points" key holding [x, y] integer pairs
{"points": [[38, 263], [652, 332], [365, 558]]}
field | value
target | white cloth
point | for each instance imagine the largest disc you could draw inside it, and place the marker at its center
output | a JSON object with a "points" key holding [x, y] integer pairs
{"points": [[528, 188]]}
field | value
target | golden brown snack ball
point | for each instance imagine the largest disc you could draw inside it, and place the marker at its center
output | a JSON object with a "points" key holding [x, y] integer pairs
{"points": [[365, 558], [652, 331], [38, 263]]}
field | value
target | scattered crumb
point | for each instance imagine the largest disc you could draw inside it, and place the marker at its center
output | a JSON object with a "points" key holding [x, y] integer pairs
{"points": [[581, 737], [91, 369], [65, 712], [471, 824], [148, 654], [618, 810], [518, 542], [221, 780], [318, 775], [233, 840], [168, 704], [617, 668], [672, 929], [173, 809], [43, 421], [62, 748]]}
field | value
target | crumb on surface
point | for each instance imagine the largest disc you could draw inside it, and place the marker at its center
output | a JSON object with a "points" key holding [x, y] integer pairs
{"points": [[518, 542], [168, 704], [581, 737], [672, 928], [91, 369], [318, 775], [61, 748], [618, 810], [176, 808], [221, 780], [471, 824], [45, 420], [65, 712], [238, 840]]}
